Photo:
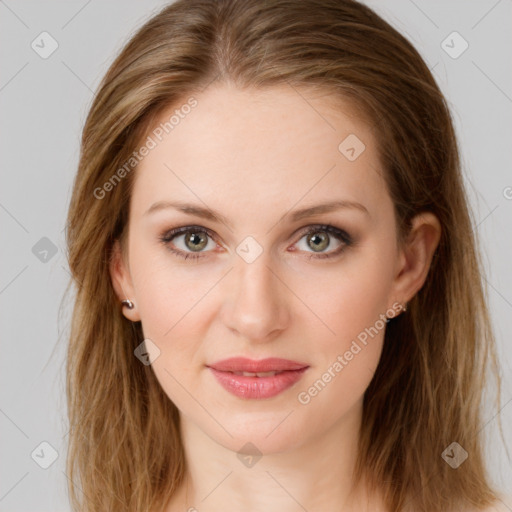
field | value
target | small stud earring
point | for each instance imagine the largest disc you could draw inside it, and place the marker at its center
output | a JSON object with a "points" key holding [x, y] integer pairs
{"points": [[404, 307], [128, 303]]}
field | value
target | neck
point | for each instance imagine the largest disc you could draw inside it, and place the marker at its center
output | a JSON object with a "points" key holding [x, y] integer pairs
{"points": [[316, 474]]}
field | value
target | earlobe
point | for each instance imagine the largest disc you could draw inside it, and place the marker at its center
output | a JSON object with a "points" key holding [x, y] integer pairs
{"points": [[416, 255]]}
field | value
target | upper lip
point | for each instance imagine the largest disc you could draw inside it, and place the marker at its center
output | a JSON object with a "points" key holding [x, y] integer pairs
{"points": [[243, 364]]}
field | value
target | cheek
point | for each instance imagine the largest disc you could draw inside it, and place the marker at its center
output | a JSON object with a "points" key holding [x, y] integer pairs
{"points": [[347, 297], [177, 304], [165, 289], [352, 304], [169, 308], [335, 387], [345, 362]]}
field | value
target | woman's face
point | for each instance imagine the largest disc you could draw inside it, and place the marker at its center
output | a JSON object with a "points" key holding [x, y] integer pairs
{"points": [[248, 280]]}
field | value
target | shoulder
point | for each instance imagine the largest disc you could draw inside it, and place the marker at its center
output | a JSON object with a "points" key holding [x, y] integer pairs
{"points": [[502, 504]]}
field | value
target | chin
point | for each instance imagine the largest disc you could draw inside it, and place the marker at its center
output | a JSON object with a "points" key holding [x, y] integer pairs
{"points": [[265, 433]]}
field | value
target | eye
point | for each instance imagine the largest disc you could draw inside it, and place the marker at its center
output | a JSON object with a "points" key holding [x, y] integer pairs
{"points": [[195, 241], [320, 237]]}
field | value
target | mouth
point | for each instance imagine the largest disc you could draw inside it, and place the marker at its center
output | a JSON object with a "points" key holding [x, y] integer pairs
{"points": [[258, 374], [253, 366], [251, 379]]}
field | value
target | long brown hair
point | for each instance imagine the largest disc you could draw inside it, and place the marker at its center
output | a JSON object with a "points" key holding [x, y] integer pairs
{"points": [[125, 451]]}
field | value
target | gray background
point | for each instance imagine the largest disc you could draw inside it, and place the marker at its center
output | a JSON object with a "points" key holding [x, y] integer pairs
{"points": [[43, 104]]}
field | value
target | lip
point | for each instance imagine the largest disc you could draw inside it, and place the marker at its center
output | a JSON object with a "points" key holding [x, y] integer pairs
{"points": [[254, 387], [243, 364]]}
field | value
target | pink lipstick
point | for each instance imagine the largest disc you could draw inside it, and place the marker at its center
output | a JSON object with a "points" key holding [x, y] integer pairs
{"points": [[257, 379]]}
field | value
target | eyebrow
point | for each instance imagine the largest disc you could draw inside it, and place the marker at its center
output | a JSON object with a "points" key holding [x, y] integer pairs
{"points": [[296, 215]]}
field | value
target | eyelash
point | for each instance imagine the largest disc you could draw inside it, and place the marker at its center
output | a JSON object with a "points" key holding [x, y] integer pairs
{"points": [[343, 236]]}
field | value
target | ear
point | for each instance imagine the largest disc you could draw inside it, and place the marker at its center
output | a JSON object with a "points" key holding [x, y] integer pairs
{"points": [[122, 282], [416, 256]]}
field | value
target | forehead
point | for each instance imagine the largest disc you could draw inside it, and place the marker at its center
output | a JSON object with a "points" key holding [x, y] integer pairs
{"points": [[236, 148]]}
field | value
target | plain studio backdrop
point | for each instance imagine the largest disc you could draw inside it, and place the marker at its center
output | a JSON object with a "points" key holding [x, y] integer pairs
{"points": [[53, 55]]}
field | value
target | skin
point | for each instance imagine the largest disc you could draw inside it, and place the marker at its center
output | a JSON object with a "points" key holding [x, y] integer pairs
{"points": [[254, 156]]}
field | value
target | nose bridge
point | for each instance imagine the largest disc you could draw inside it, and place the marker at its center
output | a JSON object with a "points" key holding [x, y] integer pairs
{"points": [[258, 307]]}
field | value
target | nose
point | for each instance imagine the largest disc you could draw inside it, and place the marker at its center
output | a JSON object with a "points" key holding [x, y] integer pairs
{"points": [[256, 306]]}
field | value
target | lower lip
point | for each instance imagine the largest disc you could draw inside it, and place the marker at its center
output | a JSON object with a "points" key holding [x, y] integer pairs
{"points": [[258, 387]]}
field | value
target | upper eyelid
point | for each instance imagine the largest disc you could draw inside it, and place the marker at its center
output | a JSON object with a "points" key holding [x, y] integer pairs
{"points": [[181, 230]]}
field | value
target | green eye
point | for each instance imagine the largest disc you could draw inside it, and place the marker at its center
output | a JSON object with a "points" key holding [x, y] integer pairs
{"points": [[196, 239]]}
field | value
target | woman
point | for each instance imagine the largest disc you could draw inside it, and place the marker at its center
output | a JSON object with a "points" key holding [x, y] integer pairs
{"points": [[279, 301]]}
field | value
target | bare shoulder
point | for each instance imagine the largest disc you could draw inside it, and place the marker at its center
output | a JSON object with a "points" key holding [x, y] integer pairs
{"points": [[502, 504]]}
